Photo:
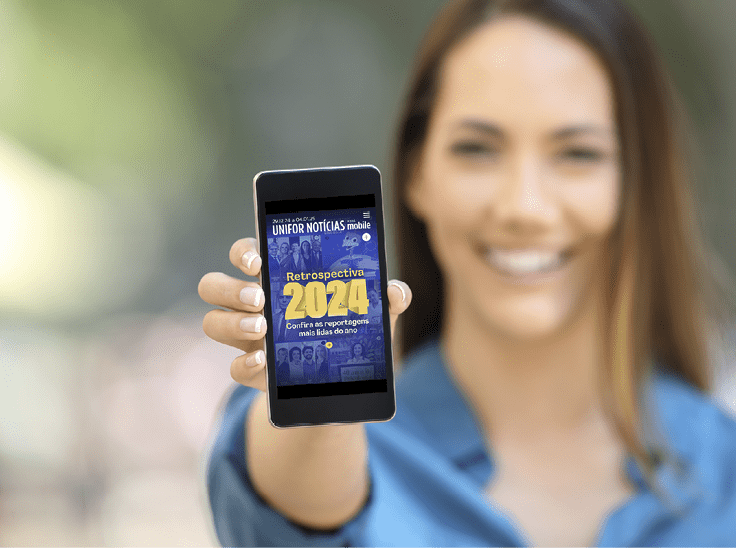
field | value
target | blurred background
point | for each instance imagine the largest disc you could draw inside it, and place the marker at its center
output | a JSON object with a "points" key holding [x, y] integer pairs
{"points": [[130, 132]]}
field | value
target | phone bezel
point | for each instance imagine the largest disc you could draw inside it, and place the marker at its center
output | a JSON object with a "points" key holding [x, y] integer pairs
{"points": [[326, 182]]}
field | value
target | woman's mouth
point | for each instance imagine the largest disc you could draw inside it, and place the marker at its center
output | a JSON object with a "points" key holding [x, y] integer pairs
{"points": [[526, 265]]}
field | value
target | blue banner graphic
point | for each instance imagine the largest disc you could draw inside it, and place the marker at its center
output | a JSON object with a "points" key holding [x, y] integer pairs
{"points": [[325, 296]]}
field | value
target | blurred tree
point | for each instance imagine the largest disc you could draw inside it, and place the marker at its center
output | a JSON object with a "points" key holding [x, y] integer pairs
{"points": [[171, 107]]}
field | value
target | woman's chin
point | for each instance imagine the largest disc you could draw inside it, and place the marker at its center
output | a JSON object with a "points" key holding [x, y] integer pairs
{"points": [[529, 323], [533, 331]]}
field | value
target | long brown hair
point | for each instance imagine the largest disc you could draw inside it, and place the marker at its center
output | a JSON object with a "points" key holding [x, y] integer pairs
{"points": [[667, 288]]}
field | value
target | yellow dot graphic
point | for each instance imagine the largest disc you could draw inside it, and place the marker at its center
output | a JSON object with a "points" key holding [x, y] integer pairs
{"points": [[328, 345]]}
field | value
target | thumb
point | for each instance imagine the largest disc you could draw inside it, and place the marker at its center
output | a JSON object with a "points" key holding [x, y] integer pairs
{"points": [[399, 299]]}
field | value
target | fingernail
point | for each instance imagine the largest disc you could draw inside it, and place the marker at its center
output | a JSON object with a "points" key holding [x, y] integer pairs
{"points": [[403, 293], [251, 295], [252, 324], [249, 257], [256, 359]]}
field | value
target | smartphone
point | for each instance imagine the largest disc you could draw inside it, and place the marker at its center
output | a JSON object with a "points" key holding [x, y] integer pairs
{"points": [[328, 342]]}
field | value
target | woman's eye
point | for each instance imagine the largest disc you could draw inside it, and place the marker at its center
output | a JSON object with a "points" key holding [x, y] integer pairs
{"points": [[583, 155], [472, 148]]}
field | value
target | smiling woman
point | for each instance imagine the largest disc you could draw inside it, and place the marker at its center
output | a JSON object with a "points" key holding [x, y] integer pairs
{"points": [[556, 385], [519, 179], [546, 143]]}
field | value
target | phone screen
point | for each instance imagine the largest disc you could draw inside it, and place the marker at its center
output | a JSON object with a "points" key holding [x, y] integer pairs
{"points": [[325, 291]]}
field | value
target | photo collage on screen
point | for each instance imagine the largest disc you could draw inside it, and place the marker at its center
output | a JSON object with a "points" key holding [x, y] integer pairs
{"points": [[331, 347]]}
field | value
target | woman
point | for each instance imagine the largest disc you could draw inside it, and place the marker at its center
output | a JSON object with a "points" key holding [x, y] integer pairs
{"points": [[305, 257], [374, 307], [286, 262], [323, 363], [555, 390], [356, 353], [283, 251], [295, 365]]}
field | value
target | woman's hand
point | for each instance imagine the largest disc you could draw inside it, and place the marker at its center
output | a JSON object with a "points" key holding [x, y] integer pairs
{"points": [[242, 324]]}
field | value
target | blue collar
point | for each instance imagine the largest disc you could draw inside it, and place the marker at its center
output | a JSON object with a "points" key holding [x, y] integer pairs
{"points": [[444, 415]]}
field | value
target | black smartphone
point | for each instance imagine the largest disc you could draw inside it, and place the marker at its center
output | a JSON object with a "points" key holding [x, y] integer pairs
{"points": [[328, 342]]}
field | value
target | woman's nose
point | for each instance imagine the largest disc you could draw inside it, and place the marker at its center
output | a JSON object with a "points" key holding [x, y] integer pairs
{"points": [[523, 199]]}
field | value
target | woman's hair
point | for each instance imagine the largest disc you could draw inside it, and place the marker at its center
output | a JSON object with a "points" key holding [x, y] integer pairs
{"points": [[306, 247], [293, 349], [666, 291], [323, 349]]}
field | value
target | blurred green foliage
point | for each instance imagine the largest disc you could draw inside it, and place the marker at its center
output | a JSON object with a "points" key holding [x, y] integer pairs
{"points": [[170, 107]]}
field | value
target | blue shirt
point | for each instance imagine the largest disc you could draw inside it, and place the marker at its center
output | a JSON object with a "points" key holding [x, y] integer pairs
{"points": [[429, 465]]}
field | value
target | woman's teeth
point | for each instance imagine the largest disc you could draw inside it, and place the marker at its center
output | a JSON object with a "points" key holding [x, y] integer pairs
{"points": [[519, 263]]}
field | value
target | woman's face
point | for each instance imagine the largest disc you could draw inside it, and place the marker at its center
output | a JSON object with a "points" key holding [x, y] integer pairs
{"points": [[519, 177], [306, 248], [284, 249], [358, 350], [321, 353], [373, 296], [296, 354]]}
